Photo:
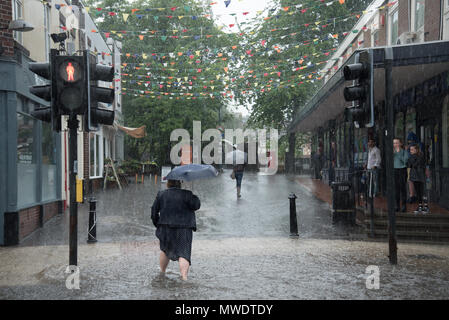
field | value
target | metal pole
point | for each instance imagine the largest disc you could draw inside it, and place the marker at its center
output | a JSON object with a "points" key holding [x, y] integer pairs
{"points": [[389, 155], [92, 231], [371, 202], [73, 150], [293, 221]]}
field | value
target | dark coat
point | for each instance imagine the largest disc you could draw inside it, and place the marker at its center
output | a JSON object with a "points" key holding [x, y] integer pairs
{"points": [[417, 165], [175, 208]]}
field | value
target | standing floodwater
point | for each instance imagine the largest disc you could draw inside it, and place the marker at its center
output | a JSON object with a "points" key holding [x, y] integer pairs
{"points": [[241, 250]]}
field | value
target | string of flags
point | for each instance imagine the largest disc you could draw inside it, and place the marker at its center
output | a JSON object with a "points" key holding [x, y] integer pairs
{"points": [[140, 13], [315, 25]]}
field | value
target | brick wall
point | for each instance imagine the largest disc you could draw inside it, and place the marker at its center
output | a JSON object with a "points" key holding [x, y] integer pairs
{"points": [[29, 220], [367, 39], [6, 37], [403, 15], [432, 20], [49, 211]]}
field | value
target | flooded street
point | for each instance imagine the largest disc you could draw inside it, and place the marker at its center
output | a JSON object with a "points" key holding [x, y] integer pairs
{"points": [[242, 250]]}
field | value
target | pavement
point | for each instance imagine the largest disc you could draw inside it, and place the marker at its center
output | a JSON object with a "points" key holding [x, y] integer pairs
{"points": [[241, 250]]}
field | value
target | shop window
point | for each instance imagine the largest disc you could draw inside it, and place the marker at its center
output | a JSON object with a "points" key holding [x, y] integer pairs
{"points": [[445, 133], [399, 126], [410, 122], [26, 157], [49, 163]]}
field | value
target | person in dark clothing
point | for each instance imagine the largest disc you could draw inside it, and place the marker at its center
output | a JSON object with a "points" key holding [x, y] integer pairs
{"points": [[401, 157], [173, 214], [417, 165], [238, 170]]}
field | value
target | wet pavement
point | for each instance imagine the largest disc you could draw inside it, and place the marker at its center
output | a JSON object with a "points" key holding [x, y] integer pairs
{"points": [[242, 250]]}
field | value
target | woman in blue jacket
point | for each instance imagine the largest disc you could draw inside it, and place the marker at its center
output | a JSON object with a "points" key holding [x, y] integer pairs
{"points": [[173, 214]]}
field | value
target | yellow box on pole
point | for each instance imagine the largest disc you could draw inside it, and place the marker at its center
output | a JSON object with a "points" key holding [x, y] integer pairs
{"points": [[79, 190]]}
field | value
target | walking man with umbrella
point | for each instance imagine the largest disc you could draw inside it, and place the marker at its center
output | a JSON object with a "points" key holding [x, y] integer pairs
{"points": [[238, 159], [173, 214]]}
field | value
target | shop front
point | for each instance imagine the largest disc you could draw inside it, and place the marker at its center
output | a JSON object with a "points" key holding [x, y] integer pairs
{"points": [[30, 157], [421, 91]]}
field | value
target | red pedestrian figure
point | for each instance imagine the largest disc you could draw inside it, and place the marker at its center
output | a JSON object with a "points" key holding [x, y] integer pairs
{"points": [[70, 72]]}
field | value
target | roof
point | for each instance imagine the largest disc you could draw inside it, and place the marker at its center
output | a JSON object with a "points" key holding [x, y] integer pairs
{"points": [[412, 64]]}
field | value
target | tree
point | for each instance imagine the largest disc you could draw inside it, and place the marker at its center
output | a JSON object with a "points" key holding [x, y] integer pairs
{"points": [[164, 75]]}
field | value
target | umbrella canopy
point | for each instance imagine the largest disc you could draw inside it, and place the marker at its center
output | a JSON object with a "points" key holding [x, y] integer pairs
{"points": [[192, 172], [236, 157]]}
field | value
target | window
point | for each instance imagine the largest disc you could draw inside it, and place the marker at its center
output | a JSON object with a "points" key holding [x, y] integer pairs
{"points": [[49, 158], [17, 13], [375, 39], [47, 29], [26, 156], [399, 126], [394, 30], [96, 155], [446, 20], [445, 132], [419, 8]]}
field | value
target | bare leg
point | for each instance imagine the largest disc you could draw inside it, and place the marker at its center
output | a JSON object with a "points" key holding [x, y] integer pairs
{"points": [[163, 261], [184, 268]]}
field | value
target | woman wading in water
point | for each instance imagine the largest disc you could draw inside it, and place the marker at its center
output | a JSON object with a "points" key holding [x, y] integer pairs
{"points": [[173, 214]]}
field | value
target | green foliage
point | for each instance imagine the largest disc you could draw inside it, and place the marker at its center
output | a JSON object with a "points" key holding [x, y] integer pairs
{"points": [[162, 115], [274, 102]]}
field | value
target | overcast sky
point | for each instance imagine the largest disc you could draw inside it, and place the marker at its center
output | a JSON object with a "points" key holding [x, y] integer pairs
{"points": [[222, 14], [222, 17]]}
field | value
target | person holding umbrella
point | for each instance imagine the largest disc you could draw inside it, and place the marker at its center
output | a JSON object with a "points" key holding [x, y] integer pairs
{"points": [[173, 214], [238, 159]]}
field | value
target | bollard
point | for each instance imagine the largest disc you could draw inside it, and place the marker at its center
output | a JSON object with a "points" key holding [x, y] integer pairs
{"points": [[136, 178], [142, 178], [92, 231], [293, 221]]}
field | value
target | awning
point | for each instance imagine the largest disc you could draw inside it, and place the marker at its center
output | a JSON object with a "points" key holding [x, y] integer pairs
{"points": [[134, 132], [412, 65]]}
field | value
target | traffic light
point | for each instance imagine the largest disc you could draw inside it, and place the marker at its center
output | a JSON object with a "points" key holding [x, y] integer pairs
{"points": [[46, 92], [361, 93], [71, 79], [96, 115]]}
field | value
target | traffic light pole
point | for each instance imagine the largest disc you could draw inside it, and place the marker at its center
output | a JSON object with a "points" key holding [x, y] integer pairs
{"points": [[73, 151], [389, 155]]}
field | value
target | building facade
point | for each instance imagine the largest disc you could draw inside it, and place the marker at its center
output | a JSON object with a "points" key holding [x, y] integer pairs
{"points": [[414, 29], [33, 158]]}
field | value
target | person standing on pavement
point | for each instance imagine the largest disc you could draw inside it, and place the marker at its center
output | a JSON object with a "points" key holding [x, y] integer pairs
{"points": [[417, 165], [237, 171], [400, 174], [173, 214], [373, 164]]}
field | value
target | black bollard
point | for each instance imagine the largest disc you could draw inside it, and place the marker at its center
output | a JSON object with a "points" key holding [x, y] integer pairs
{"points": [[293, 221], [92, 231]]}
